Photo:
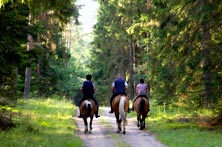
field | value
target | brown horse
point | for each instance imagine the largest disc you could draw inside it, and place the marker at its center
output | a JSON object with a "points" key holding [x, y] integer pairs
{"points": [[120, 107], [88, 109], [141, 106]]}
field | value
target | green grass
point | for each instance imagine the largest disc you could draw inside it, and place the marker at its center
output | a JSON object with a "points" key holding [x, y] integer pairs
{"points": [[48, 122], [42, 123], [176, 127]]}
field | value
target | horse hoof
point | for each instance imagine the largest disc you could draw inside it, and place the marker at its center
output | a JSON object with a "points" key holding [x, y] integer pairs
{"points": [[86, 131], [124, 132]]}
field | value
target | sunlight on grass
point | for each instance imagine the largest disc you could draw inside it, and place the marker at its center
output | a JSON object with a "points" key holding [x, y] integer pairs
{"points": [[42, 122], [177, 127]]}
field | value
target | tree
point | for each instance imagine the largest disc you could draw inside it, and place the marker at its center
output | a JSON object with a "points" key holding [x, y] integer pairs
{"points": [[44, 22], [174, 45], [14, 28]]}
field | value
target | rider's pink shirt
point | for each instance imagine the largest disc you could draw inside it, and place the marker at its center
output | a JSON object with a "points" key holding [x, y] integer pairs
{"points": [[141, 89]]}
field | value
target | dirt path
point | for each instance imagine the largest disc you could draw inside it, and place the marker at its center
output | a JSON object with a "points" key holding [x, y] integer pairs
{"points": [[104, 133]]}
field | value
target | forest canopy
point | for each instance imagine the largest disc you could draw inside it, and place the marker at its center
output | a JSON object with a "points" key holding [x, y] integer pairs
{"points": [[174, 45]]}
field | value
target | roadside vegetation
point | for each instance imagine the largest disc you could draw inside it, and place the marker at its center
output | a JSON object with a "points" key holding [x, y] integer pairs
{"points": [[40, 122], [48, 122], [178, 127]]}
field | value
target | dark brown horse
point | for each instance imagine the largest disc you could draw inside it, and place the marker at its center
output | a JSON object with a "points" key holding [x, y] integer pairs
{"points": [[142, 107], [120, 107], [88, 109]]}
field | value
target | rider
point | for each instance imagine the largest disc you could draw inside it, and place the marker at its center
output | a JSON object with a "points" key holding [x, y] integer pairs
{"points": [[119, 86], [88, 88], [141, 90]]}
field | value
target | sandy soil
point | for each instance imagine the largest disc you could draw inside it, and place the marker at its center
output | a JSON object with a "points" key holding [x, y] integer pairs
{"points": [[104, 133]]}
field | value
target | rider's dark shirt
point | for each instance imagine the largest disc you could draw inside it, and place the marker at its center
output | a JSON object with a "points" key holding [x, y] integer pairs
{"points": [[88, 89], [119, 85]]}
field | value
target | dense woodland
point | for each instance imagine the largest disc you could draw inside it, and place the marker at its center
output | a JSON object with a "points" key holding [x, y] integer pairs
{"points": [[35, 58], [174, 45]]}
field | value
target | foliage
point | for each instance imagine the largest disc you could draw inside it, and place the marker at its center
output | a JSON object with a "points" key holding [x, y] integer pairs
{"points": [[48, 54], [175, 47], [42, 122], [14, 29], [169, 123]]}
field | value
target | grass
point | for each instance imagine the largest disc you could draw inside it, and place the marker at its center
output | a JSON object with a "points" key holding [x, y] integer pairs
{"points": [[176, 127], [42, 123], [48, 122]]}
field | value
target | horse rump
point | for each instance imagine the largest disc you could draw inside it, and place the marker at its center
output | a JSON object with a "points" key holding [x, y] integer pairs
{"points": [[86, 108]]}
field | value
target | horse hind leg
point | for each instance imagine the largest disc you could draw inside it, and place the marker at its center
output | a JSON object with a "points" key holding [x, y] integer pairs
{"points": [[86, 126], [90, 125], [119, 129], [142, 123], [124, 127], [138, 120], [118, 122]]}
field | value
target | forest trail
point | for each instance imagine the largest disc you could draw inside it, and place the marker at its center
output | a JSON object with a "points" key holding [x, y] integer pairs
{"points": [[104, 133]]}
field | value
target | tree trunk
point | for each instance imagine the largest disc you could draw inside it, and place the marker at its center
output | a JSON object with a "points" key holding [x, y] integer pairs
{"points": [[14, 83], [38, 68], [27, 82], [28, 70], [131, 69], [207, 76]]}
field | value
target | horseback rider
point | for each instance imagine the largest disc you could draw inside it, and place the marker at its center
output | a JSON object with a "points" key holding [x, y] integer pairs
{"points": [[119, 86], [141, 91], [88, 88]]}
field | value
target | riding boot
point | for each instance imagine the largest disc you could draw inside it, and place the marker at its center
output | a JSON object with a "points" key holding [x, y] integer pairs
{"points": [[97, 112], [111, 111]]}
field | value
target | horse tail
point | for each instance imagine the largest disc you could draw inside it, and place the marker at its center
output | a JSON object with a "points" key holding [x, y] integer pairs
{"points": [[142, 106], [89, 107], [121, 109]]}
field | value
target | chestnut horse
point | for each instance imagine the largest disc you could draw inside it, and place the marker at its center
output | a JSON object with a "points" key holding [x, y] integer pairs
{"points": [[120, 107], [141, 106], [88, 109]]}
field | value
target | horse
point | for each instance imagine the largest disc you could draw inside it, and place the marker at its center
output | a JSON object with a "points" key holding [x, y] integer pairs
{"points": [[88, 109], [120, 107], [141, 106]]}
